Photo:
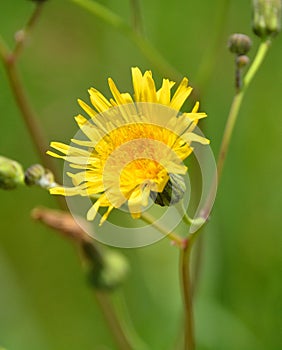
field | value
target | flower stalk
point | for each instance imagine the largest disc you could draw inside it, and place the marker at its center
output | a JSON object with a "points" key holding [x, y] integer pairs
{"points": [[185, 278]]}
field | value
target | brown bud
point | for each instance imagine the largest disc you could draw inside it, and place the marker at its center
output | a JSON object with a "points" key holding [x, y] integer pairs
{"points": [[242, 61], [239, 44]]}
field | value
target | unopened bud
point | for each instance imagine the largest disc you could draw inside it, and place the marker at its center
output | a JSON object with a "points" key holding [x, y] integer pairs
{"points": [[38, 175], [239, 44], [266, 17], [242, 61], [173, 192], [11, 174], [108, 268]]}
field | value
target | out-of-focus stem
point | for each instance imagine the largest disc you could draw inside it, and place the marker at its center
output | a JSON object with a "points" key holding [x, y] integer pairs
{"points": [[149, 219], [136, 16], [25, 32], [143, 45], [186, 286], [113, 321], [211, 54]]}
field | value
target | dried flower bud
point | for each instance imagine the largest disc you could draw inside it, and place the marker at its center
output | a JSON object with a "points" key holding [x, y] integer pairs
{"points": [[106, 269], [37, 175], [11, 174], [266, 17], [239, 44], [63, 222], [173, 192]]}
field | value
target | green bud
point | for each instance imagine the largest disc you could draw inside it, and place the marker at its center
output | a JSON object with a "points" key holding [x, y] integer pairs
{"points": [[38, 175], [266, 17], [173, 192], [107, 268], [11, 174], [239, 44]]}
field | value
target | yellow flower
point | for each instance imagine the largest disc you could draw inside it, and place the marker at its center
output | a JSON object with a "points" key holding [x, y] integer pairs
{"points": [[133, 145]]}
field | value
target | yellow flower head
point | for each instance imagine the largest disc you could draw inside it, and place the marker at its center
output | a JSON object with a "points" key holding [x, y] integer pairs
{"points": [[133, 146]]}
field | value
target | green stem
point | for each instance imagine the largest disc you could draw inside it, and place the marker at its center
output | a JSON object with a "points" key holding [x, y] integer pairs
{"points": [[142, 44], [26, 31], [113, 321], [212, 52], [30, 119], [149, 219], [231, 121], [185, 278], [185, 256], [136, 16], [126, 322]]}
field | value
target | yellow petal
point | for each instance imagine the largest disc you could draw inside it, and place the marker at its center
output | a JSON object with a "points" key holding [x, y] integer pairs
{"points": [[67, 191], [137, 82], [87, 128], [138, 199], [181, 94], [192, 137], [98, 100], [90, 111], [148, 93], [105, 216], [69, 150], [163, 94], [119, 97], [101, 202]]}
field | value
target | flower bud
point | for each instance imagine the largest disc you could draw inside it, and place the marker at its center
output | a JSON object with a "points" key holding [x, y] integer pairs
{"points": [[11, 174], [107, 268], [266, 17], [37, 175], [173, 192], [242, 61], [239, 44]]}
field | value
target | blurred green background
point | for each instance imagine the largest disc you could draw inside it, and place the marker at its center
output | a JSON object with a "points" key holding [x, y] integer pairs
{"points": [[44, 300]]}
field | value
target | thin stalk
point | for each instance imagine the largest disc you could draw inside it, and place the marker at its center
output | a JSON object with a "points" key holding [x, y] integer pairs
{"points": [[185, 279], [210, 56], [113, 321], [149, 219], [141, 43], [136, 16], [231, 121], [29, 117], [185, 256], [26, 31], [126, 322]]}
